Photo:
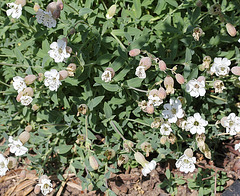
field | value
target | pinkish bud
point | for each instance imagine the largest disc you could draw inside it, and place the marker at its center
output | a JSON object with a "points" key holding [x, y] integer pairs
{"points": [[19, 96], [134, 52], [201, 78], [72, 66], [168, 84], [28, 128], [28, 91], [69, 49], [236, 70], [35, 107], [65, 39], [199, 3], [63, 74], [24, 137], [231, 29], [56, 14], [180, 78], [223, 121], [22, 2], [60, 5], [162, 93], [145, 62], [29, 79], [51, 7], [36, 7], [72, 31], [162, 65], [93, 162], [154, 92], [150, 109]]}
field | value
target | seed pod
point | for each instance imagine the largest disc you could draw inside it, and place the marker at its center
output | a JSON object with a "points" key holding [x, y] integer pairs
{"points": [[122, 159], [150, 109], [28, 128], [162, 65], [29, 79], [162, 93], [28, 91], [63, 74], [236, 70], [110, 153], [188, 152], [146, 147], [145, 62], [22, 2], [180, 79], [72, 31], [231, 29], [20, 94], [12, 162], [93, 162], [24, 137], [140, 158], [69, 49], [199, 3], [127, 145], [111, 11], [82, 109], [134, 52]]}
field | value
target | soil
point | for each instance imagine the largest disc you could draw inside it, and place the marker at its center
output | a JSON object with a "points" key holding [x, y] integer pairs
{"points": [[20, 181]]}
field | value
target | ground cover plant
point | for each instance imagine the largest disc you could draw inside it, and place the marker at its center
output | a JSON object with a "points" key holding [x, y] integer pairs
{"points": [[93, 88]]}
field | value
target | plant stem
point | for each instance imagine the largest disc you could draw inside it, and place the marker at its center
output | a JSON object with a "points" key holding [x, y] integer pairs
{"points": [[136, 89], [70, 6], [4, 83], [216, 97], [86, 127], [138, 122], [121, 44]]}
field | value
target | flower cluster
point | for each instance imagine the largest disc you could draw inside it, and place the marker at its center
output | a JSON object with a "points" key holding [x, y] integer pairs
{"points": [[231, 123]]}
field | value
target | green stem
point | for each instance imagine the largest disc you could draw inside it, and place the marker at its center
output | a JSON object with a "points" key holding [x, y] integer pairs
{"points": [[86, 128], [138, 122], [4, 83], [216, 97], [121, 44], [136, 89], [70, 6]]}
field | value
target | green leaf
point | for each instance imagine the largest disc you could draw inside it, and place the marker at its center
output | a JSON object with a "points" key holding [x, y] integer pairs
{"points": [[62, 149], [172, 2], [104, 59], [168, 174], [137, 8], [134, 82], [84, 11], [111, 87], [107, 110], [94, 102]]}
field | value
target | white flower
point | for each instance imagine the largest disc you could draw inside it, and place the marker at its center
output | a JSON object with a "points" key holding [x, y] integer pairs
{"points": [[19, 84], [237, 147], [154, 100], [196, 124], [58, 51], [26, 100], [165, 129], [149, 167], [107, 76], [220, 66], [16, 147], [140, 72], [232, 124], [15, 10], [3, 165], [196, 88], [173, 110], [46, 186], [45, 18], [52, 79], [239, 40], [186, 161]]}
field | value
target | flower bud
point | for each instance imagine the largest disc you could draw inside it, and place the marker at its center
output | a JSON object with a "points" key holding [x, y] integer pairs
{"points": [[110, 153], [28, 128], [197, 33], [122, 159], [223, 121], [82, 109], [181, 123], [145, 62], [23, 174], [150, 109], [154, 93], [65, 39], [80, 138], [40, 77], [71, 69], [35, 107], [163, 140], [93, 162], [143, 105], [20, 94], [201, 78], [69, 49], [36, 7], [51, 7], [140, 158], [111, 70], [63, 74], [111, 11], [60, 5], [180, 79], [162, 93], [56, 14], [24, 137], [22, 2], [134, 52], [127, 145], [28, 91], [172, 138], [29, 79], [72, 31], [199, 3], [188, 152], [218, 86], [12, 162], [169, 83], [215, 9], [162, 65], [236, 70], [37, 189], [231, 29], [146, 147]]}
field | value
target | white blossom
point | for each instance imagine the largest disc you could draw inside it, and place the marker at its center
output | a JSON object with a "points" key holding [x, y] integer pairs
{"points": [[149, 167], [196, 88], [140, 72], [220, 66], [196, 124], [154, 100], [16, 147], [26, 100], [45, 18], [15, 10], [237, 147], [165, 129], [19, 84], [3, 165], [107, 76], [58, 51], [173, 110], [232, 124], [45, 186], [186, 163], [239, 40], [52, 79]]}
